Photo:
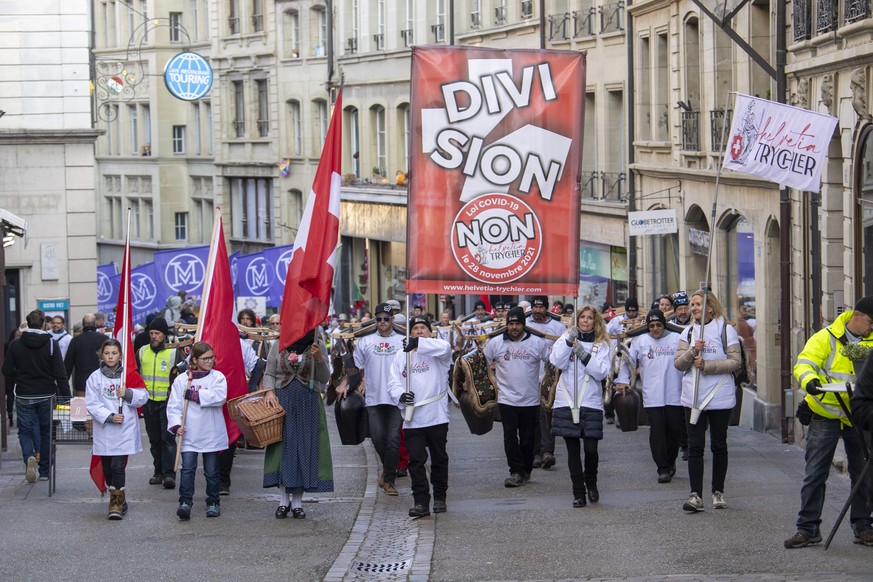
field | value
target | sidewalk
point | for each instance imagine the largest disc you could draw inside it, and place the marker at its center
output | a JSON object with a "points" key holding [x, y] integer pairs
{"points": [[638, 531]]}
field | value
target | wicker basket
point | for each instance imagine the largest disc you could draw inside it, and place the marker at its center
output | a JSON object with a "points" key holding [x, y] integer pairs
{"points": [[260, 425]]}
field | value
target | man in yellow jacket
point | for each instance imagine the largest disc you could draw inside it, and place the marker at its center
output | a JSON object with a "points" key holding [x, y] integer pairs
{"points": [[827, 358]]}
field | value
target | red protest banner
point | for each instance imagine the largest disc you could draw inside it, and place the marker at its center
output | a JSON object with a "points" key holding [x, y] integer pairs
{"points": [[496, 148]]}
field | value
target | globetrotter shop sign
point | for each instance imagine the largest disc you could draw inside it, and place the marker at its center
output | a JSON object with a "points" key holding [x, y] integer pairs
{"points": [[496, 148]]}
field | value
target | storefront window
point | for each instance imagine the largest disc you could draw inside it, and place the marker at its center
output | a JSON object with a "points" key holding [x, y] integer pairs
{"points": [[602, 274], [865, 199]]}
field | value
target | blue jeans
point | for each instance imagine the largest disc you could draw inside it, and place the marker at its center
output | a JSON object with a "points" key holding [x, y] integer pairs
{"points": [[385, 422], [210, 471], [35, 430], [821, 442]]}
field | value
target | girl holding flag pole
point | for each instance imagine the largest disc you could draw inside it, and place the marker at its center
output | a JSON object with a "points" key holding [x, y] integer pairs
{"points": [[112, 407], [708, 363], [582, 354]]}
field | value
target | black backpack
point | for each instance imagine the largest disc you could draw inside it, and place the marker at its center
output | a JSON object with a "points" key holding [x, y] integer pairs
{"points": [[744, 374]]}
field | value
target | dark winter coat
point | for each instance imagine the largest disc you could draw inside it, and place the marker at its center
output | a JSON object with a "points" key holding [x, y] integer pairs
{"points": [[35, 365], [590, 423], [82, 359]]}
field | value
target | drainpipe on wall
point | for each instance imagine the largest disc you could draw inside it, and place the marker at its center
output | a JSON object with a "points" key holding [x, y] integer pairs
{"points": [[329, 51], [784, 242], [542, 24], [631, 128]]}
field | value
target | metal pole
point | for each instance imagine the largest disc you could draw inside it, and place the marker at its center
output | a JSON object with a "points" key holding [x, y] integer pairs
{"points": [[695, 395], [542, 24], [407, 413]]}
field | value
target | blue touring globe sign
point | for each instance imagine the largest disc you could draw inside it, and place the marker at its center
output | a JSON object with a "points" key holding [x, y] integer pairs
{"points": [[188, 76]]}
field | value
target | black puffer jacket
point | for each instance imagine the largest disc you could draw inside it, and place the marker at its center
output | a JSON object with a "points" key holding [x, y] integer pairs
{"points": [[35, 366], [82, 359], [590, 424]]}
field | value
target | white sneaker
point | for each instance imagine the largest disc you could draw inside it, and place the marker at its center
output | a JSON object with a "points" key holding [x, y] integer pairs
{"points": [[694, 503], [718, 501], [30, 472]]}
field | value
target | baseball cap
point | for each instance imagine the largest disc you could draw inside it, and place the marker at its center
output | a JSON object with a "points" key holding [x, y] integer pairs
{"points": [[383, 308]]}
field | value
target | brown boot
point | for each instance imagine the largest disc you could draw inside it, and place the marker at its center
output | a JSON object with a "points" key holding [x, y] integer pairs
{"points": [[116, 503]]}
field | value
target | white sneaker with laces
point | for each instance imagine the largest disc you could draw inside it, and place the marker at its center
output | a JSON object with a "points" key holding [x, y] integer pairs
{"points": [[30, 471], [694, 503], [718, 501]]}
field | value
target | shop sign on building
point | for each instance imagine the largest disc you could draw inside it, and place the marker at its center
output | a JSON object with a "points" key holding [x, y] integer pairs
{"points": [[647, 222]]}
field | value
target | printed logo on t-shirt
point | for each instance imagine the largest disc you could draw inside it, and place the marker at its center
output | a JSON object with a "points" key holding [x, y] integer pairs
{"points": [[660, 352], [420, 367], [384, 349], [518, 354], [111, 390]]}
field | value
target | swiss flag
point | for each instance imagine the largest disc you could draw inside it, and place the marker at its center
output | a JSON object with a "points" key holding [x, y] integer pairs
{"points": [[306, 298], [216, 324], [121, 332]]}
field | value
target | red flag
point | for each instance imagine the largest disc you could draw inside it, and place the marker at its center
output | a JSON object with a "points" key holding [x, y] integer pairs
{"points": [[306, 299], [121, 332], [216, 324]]}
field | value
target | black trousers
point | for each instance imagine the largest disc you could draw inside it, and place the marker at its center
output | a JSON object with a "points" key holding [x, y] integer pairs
{"points": [[162, 442], [385, 422], [420, 441], [519, 430], [665, 431], [225, 465], [113, 470], [544, 440], [582, 474], [717, 422]]}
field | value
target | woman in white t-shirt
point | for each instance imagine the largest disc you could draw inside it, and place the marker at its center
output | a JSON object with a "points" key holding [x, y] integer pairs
{"points": [[714, 358]]}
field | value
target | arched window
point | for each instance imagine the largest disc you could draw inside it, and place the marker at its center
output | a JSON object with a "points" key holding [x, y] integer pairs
{"points": [[864, 216], [378, 123], [291, 41], [295, 127]]}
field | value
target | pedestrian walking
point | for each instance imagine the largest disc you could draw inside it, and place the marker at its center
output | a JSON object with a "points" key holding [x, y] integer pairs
{"points": [[36, 370], [582, 356], [373, 356], [661, 382], [827, 357], [423, 370], [116, 435], [195, 415], [712, 353], [301, 462], [517, 356], [82, 357], [158, 366], [540, 320]]}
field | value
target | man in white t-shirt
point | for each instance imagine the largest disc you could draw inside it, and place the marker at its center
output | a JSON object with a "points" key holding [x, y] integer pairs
{"points": [[517, 356], [373, 356], [540, 320], [424, 385]]}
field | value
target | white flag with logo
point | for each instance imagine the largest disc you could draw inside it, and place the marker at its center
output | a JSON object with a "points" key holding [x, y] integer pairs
{"points": [[780, 143]]}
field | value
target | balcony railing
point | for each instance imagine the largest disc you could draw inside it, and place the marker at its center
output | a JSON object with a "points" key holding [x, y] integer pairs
{"points": [[717, 123], [438, 32], [588, 185], [379, 40], [691, 131], [407, 37], [526, 8], [825, 16], [263, 127], [801, 20], [500, 15], [612, 186], [856, 10], [475, 22], [583, 22], [239, 128], [351, 45], [612, 17], [558, 26], [257, 22]]}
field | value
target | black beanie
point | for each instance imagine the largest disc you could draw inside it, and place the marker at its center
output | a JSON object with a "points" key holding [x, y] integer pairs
{"points": [[865, 305], [656, 315], [415, 320], [159, 324], [516, 314]]}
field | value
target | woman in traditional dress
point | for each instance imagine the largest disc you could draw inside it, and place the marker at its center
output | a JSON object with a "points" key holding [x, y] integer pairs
{"points": [[300, 463]]}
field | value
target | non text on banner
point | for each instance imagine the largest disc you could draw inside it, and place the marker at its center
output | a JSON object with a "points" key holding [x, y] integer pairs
{"points": [[780, 143], [496, 146]]}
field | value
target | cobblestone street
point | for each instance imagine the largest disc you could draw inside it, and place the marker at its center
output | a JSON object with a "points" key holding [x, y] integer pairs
{"points": [[638, 531]]}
